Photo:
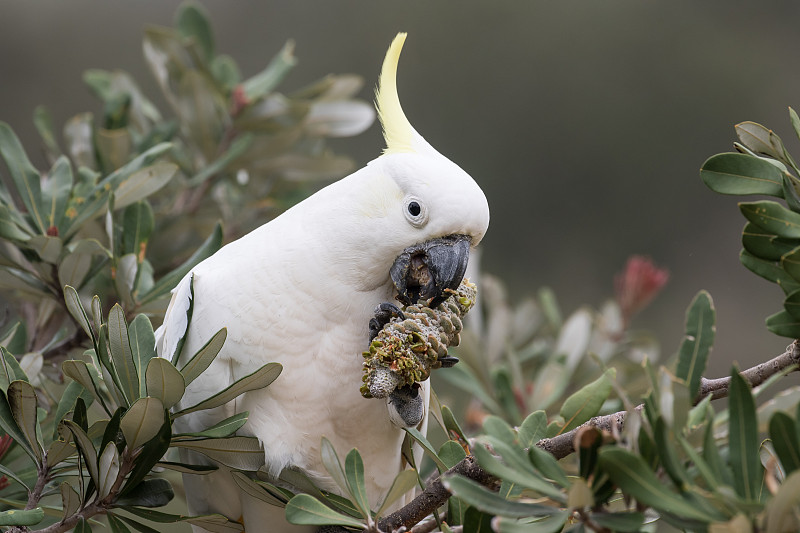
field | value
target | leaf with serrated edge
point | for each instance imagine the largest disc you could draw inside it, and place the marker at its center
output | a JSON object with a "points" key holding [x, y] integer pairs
{"points": [[242, 453], [23, 403], [121, 354], [204, 356], [257, 380], [164, 382], [142, 421], [304, 509]]}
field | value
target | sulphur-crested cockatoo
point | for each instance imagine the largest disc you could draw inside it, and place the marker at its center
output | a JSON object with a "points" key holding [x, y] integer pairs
{"points": [[302, 289]]}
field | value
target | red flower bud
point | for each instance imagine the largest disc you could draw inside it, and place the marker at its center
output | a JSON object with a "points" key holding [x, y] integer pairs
{"points": [[638, 284]]}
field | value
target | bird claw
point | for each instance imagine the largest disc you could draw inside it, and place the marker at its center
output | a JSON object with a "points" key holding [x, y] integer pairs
{"points": [[448, 361], [384, 313]]}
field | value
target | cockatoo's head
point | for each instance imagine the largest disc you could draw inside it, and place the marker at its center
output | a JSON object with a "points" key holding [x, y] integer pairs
{"points": [[432, 211]]}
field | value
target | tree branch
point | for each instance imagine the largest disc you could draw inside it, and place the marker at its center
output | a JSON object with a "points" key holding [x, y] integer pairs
{"points": [[435, 495]]}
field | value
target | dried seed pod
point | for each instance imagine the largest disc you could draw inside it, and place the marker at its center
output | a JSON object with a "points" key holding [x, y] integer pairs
{"points": [[406, 351]]}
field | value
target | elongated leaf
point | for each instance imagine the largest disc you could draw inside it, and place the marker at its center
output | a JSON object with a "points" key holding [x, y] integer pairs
{"points": [[783, 432], [549, 524], [83, 526], [697, 341], [12, 227], [17, 517], [169, 281], [667, 452], [489, 502], [451, 424], [744, 443], [254, 489], [762, 140], [257, 380], [143, 349], [533, 429], [402, 484], [185, 468], [107, 469], [784, 324], [73, 269], [142, 421], [790, 262], [772, 217], [354, 472], [527, 479], [55, 193], [225, 428], [499, 428], [43, 121], [86, 448], [586, 403], [143, 183], [204, 356], [733, 173], [75, 309], [60, 450], [25, 177], [192, 23], [548, 466], [116, 525], [238, 147], [266, 80], [121, 354], [769, 271], [764, 244], [70, 500], [634, 477], [792, 304], [420, 439], [79, 371], [621, 522], [138, 222], [11, 369], [331, 462], [241, 453], [781, 512], [23, 403], [164, 382], [451, 453], [152, 452], [304, 509]]}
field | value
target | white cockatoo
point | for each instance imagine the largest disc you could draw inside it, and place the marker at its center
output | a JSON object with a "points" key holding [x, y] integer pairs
{"points": [[302, 290]]}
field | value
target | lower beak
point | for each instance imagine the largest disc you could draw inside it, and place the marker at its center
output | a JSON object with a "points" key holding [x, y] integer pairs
{"points": [[426, 270]]}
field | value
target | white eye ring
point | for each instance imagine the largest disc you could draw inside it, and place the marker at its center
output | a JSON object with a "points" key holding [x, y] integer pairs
{"points": [[415, 211]]}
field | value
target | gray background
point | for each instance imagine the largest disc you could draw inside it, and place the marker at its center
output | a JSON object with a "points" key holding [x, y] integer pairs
{"points": [[585, 122]]}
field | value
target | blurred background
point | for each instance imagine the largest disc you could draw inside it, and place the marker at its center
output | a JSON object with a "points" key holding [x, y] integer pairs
{"points": [[585, 122]]}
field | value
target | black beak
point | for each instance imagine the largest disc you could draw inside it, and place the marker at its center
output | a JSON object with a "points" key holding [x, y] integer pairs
{"points": [[425, 270]]}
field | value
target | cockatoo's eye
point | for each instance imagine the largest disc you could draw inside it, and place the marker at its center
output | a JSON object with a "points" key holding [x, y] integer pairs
{"points": [[415, 211]]}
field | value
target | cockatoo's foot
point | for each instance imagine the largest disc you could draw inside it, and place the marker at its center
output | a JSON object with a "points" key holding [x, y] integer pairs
{"points": [[448, 361], [384, 314], [406, 406]]}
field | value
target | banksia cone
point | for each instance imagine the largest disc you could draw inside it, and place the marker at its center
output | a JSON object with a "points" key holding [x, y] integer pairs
{"points": [[406, 351]]}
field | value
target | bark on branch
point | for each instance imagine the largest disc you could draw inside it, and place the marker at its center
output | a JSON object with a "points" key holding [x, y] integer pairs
{"points": [[435, 495]]}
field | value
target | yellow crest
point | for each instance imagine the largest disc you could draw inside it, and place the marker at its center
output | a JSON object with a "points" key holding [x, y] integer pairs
{"points": [[397, 130]]}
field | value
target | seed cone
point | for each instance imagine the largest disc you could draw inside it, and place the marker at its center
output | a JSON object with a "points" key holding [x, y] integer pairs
{"points": [[406, 351]]}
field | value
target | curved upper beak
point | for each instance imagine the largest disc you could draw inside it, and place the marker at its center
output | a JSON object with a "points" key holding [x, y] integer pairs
{"points": [[425, 270]]}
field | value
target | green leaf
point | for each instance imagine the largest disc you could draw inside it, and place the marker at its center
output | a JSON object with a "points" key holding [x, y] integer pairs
{"points": [[790, 262], [116, 525], [621, 522], [55, 193], [143, 349], [697, 341], [331, 462], [781, 510], [586, 403], [155, 492], [137, 225], [487, 501], [732, 173], [23, 403], [784, 324], [772, 217], [142, 421], [257, 380], [164, 382], [170, 280], [79, 371], [533, 429], [762, 140], [186, 468], [792, 304], [48, 248], [152, 452], [783, 432], [669, 457], [549, 524], [70, 500], [60, 450], [402, 484], [255, 490], [548, 466], [192, 23], [744, 442], [122, 355], [10, 229], [25, 177], [11, 367], [354, 472], [769, 271], [451, 453], [143, 183], [420, 439], [269, 78], [764, 244], [451, 424], [238, 147], [499, 428], [524, 477], [86, 448], [107, 469], [43, 121], [305, 510], [225, 428], [204, 356], [16, 517], [241, 453], [83, 526], [634, 477]]}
